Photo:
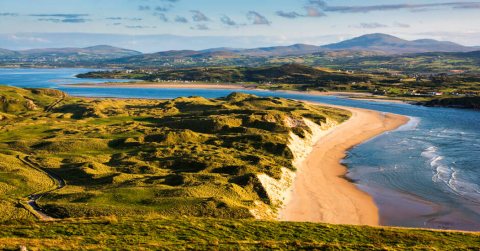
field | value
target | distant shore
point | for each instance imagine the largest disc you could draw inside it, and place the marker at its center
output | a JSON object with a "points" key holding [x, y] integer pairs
{"points": [[166, 85], [320, 192], [227, 86]]}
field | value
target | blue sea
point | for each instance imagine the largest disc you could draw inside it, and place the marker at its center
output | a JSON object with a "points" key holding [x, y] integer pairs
{"points": [[425, 174]]}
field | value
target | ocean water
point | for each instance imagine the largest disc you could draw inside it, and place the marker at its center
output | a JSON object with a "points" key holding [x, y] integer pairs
{"points": [[425, 174], [46, 78]]}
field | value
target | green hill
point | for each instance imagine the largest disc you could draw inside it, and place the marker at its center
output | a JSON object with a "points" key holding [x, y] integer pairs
{"points": [[165, 174], [287, 73], [188, 156], [16, 101], [456, 102]]}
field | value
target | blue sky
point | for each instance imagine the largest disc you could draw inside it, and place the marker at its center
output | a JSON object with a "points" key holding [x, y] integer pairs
{"points": [[235, 23]]}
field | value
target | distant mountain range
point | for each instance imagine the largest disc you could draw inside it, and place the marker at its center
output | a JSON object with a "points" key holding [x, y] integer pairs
{"points": [[76, 54], [296, 49], [371, 44], [393, 45], [7, 53], [380, 44]]}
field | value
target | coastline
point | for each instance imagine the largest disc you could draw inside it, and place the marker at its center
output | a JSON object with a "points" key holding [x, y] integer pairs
{"points": [[319, 194], [226, 86], [320, 191], [166, 86]]}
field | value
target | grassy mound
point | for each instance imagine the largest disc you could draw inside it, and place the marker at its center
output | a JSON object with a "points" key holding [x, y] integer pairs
{"points": [[16, 101]]}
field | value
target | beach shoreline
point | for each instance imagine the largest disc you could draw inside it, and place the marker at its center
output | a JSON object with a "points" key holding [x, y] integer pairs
{"points": [[320, 192], [164, 85], [225, 86]]}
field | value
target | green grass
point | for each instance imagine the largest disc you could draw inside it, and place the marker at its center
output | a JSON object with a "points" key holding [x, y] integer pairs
{"points": [[141, 173], [188, 156], [463, 102], [207, 233], [20, 101], [17, 181]]}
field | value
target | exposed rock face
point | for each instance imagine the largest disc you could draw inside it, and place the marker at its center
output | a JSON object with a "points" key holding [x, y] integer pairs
{"points": [[279, 191], [30, 105]]}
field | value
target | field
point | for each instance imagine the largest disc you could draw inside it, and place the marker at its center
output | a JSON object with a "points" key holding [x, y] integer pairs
{"points": [[217, 234]]}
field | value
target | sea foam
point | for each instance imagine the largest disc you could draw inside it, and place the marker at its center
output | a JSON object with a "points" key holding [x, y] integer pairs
{"points": [[449, 175], [412, 124]]}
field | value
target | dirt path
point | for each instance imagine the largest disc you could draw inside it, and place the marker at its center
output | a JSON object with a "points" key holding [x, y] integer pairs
{"points": [[32, 199]]}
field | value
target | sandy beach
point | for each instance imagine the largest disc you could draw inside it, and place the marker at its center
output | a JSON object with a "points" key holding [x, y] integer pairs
{"points": [[166, 85], [226, 86], [320, 191]]}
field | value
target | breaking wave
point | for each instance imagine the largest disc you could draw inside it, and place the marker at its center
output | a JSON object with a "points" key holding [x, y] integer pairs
{"points": [[448, 174]]}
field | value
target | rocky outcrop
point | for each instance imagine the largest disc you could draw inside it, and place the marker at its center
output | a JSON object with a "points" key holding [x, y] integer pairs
{"points": [[30, 105]]}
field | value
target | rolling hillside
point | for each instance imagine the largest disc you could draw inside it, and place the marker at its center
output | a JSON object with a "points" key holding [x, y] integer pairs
{"points": [[167, 174], [182, 157], [363, 47], [369, 45], [7, 53], [286, 74]]}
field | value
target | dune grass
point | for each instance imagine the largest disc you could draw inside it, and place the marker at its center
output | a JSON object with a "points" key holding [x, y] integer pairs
{"points": [[215, 234], [17, 181], [189, 156], [177, 175]]}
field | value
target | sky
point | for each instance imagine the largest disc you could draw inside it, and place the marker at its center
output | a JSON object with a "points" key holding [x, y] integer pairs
{"points": [[154, 25]]}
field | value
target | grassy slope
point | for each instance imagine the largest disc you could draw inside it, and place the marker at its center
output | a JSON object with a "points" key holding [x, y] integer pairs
{"points": [[95, 145], [288, 73], [18, 180], [436, 62], [188, 156], [463, 102], [196, 233]]}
